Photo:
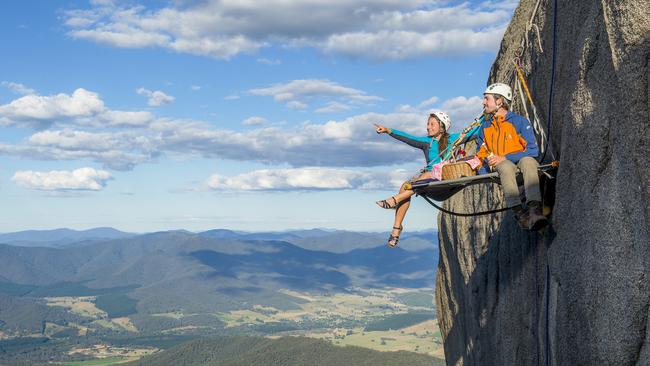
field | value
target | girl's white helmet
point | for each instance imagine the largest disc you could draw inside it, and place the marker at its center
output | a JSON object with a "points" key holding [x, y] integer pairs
{"points": [[443, 118], [500, 89]]}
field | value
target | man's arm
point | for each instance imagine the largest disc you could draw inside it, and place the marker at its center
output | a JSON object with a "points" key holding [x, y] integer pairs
{"points": [[527, 134]]}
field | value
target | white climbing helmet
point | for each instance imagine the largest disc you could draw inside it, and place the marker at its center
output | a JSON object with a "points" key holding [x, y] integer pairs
{"points": [[500, 89], [443, 118]]}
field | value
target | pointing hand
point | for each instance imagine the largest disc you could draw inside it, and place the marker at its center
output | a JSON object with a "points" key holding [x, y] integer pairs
{"points": [[381, 129]]}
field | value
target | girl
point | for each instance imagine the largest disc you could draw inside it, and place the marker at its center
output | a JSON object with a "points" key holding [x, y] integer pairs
{"points": [[437, 146]]}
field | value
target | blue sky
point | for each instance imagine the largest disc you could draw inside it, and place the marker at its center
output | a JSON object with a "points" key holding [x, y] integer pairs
{"points": [[200, 114]]}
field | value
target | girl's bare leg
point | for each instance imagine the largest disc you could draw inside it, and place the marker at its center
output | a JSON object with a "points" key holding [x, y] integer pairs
{"points": [[404, 199], [403, 203]]}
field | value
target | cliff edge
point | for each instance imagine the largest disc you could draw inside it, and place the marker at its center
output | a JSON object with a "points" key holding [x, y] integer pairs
{"points": [[577, 293]]}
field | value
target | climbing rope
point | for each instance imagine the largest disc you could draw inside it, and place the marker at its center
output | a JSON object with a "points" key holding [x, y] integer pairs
{"points": [[532, 25], [520, 84], [464, 138], [525, 41], [547, 337], [465, 214]]}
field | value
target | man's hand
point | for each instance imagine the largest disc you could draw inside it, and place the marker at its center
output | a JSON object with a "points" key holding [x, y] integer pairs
{"points": [[381, 129], [494, 160]]}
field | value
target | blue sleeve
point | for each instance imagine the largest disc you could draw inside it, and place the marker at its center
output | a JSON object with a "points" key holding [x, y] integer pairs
{"points": [[421, 142], [526, 131]]}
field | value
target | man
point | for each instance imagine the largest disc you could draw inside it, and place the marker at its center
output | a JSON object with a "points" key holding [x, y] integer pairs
{"points": [[507, 142]]}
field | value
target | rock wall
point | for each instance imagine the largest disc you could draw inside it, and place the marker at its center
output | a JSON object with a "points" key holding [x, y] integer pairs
{"points": [[577, 293]]}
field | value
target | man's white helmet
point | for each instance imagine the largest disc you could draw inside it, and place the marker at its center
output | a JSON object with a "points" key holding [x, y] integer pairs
{"points": [[500, 89], [443, 118]]}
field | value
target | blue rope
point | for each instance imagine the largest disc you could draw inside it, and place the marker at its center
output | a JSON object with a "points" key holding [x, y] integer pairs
{"points": [[550, 92], [547, 338]]}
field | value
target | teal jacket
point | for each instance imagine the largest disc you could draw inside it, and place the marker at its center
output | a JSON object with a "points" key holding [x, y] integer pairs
{"points": [[429, 145]]}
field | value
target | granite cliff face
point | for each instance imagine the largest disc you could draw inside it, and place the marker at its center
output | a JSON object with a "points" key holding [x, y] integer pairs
{"points": [[577, 293]]}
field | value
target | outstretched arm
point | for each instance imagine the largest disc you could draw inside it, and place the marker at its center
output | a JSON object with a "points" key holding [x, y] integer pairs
{"points": [[420, 142]]}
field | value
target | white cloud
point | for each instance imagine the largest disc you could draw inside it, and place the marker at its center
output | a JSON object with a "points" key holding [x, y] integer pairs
{"points": [[298, 93], [296, 105], [156, 97], [112, 159], [462, 110], [102, 2], [333, 107], [82, 107], [195, 87], [85, 179], [231, 97], [266, 61], [76, 140], [17, 88], [311, 178], [254, 121], [428, 102], [126, 118], [76, 127], [224, 28], [297, 89], [45, 109], [218, 47], [350, 142], [395, 45], [407, 108]]}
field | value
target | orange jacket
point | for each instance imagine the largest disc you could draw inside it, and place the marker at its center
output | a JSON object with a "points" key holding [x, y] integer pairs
{"points": [[510, 136]]}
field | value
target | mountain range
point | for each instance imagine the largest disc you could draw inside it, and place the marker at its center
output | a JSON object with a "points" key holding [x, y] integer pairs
{"points": [[207, 272], [337, 241]]}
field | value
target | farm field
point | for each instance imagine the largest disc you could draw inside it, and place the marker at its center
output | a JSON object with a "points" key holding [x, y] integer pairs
{"points": [[387, 319], [420, 338]]}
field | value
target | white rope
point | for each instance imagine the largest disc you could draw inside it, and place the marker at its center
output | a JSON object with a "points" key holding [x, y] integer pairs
{"points": [[529, 26], [537, 125], [523, 99]]}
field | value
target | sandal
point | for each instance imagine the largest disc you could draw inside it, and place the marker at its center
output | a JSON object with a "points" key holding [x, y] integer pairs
{"points": [[392, 239], [386, 205]]}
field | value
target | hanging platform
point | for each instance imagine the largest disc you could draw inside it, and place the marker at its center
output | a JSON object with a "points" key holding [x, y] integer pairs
{"points": [[441, 190]]}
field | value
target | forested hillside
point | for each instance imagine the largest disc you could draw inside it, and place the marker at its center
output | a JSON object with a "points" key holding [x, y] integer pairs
{"points": [[245, 351]]}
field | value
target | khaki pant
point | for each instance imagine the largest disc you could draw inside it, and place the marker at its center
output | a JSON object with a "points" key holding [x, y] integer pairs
{"points": [[508, 175]]}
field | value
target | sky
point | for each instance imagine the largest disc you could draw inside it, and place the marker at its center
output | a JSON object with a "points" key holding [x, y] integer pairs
{"points": [[236, 114]]}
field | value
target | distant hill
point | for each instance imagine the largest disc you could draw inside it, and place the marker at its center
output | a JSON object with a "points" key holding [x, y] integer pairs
{"points": [[60, 237], [249, 351], [179, 270], [337, 241]]}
